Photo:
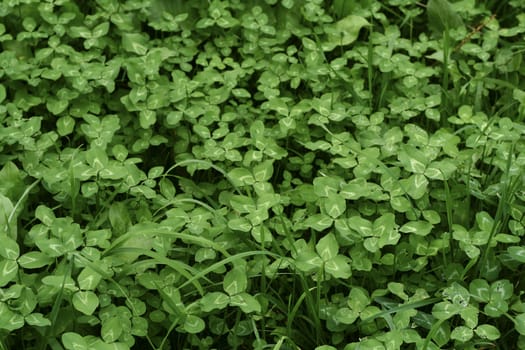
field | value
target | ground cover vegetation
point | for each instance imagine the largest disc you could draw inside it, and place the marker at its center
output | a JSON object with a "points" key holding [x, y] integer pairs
{"points": [[263, 174]]}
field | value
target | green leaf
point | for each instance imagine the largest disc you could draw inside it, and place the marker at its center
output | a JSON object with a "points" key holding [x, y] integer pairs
{"points": [[385, 227], [194, 324], [174, 117], [37, 320], [508, 239], [56, 105], [372, 244], [338, 267], [242, 204], [517, 253], [415, 185], [59, 282], [371, 344], [135, 43], [484, 221], [202, 131], [100, 30], [88, 279], [26, 302], [2, 93], [113, 171], [334, 206], [240, 224], [487, 331], [97, 157], [354, 189], [362, 226], [8, 271], [278, 105], [257, 216], [440, 170], [462, 333], [327, 186], [147, 118], [241, 93], [111, 328], [45, 215], [267, 200], [469, 314], [167, 189], [65, 125], [79, 32], [358, 299], [74, 341], [246, 302], [8, 319], [257, 129], [263, 171], [441, 16], [9, 248], [85, 302], [445, 310], [442, 336], [318, 222], [262, 234], [241, 177], [273, 150], [34, 260], [327, 247], [416, 134], [400, 203], [346, 315], [308, 261], [480, 290], [412, 159], [218, 96], [457, 294], [420, 228], [214, 301], [397, 289], [519, 323], [235, 280], [138, 94], [501, 290], [344, 32]]}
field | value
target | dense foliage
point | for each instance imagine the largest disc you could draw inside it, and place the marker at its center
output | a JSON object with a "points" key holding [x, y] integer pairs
{"points": [[262, 174]]}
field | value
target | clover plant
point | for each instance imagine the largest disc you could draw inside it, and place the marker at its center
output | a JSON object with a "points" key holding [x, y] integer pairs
{"points": [[266, 174]]}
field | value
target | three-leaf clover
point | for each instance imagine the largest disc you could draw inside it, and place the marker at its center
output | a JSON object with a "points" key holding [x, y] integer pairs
{"points": [[325, 258]]}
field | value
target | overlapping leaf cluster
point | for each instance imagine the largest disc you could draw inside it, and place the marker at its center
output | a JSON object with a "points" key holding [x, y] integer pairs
{"points": [[282, 174]]}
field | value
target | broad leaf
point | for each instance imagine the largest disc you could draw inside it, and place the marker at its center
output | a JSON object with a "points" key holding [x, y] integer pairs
{"points": [[441, 16], [85, 302], [194, 324], [74, 341], [235, 280], [246, 302], [34, 260], [8, 271], [343, 32], [214, 301], [327, 247], [338, 267]]}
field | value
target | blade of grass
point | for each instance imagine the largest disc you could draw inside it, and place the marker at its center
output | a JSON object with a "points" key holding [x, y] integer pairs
{"points": [[223, 262], [502, 211], [184, 269], [399, 308], [19, 202], [204, 242], [53, 315]]}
